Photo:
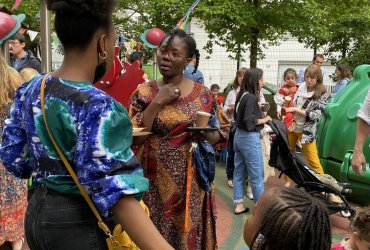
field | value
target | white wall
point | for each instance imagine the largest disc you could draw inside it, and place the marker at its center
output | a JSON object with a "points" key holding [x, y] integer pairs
{"points": [[221, 70]]}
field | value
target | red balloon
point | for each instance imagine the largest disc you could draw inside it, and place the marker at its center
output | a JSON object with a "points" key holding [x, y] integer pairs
{"points": [[154, 36], [7, 24]]}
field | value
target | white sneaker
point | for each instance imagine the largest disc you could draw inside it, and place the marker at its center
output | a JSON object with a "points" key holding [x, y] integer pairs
{"points": [[250, 195]]}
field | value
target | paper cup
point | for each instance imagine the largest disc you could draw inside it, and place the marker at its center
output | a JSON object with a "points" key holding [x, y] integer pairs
{"points": [[202, 119]]}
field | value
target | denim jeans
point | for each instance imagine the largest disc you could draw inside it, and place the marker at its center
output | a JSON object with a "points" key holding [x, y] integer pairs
{"points": [[58, 221], [230, 156], [248, 162]]}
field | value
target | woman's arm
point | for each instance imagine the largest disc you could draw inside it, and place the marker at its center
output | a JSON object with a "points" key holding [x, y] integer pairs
{"points": [[14, 151], [358, 159], [138, 225]]}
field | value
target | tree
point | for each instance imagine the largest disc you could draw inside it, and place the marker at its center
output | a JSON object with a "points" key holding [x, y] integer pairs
{"points": [[30, 8], [162, 14], [241, 25], [339, 27]]}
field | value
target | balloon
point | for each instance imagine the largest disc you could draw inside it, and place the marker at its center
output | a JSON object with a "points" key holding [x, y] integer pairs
{"points": [[152, 37]]}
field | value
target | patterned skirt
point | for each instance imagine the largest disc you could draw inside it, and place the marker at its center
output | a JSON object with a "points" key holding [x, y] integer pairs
{"points": [[13, 204]]}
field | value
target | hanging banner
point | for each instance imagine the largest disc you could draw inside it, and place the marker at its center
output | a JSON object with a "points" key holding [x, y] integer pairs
{"points": [[16, 4]]}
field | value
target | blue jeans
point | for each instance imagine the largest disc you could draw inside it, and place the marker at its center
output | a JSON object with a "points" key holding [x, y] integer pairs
{"points": [[248, 161], [58, 221]]}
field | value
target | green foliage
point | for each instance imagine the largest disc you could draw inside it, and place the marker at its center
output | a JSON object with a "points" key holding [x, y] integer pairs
{"points": [[240, 25]]}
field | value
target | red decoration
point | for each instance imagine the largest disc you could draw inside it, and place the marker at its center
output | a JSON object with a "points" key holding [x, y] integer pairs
{"points": [[220, 99], [120, 87], [7, 24], [154, 36]]}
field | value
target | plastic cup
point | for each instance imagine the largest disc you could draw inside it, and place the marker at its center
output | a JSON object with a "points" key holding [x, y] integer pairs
{"points": [[202, 119]]}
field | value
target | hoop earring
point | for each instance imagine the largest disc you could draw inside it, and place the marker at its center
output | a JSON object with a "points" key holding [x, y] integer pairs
{"points": [[103, 57]]}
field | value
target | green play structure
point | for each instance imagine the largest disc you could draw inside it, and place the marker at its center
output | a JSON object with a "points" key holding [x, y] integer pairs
{"points": [[337, 132]]}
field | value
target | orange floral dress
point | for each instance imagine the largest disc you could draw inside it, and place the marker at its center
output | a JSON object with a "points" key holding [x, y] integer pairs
{"points": [[13, 197], [165, 158]]}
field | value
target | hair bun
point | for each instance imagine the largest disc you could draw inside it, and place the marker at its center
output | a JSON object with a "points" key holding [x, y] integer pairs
{"points": [[81, 7]]}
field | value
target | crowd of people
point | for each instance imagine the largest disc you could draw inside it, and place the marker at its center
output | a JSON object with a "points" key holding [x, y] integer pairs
{"points": [[170, 167]]}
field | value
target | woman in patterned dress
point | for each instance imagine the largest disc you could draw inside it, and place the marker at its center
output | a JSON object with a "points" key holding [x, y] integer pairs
{"points": [[93, 131], [13, 191], [166, 107]]}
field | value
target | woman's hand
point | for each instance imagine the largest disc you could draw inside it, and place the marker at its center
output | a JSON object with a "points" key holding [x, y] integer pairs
{"points": [[167, 93], [211, 137], [267, 118], [290, 109], [278, 115], [358, 162], [264, 120]]}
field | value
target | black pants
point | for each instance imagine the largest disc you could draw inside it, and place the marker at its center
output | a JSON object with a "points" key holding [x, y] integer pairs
{"points": [[230, 156], [59, 221]]}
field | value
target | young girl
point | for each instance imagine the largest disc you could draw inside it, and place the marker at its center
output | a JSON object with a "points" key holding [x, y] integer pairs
{"points": [[360, 232], [247, 145], [309, 103], [288, 218], [343, 73], [285, 95]]}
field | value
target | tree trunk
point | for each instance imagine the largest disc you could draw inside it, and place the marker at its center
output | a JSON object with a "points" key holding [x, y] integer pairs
{"points": [[254, 48], [254, 41], [238, 55]]}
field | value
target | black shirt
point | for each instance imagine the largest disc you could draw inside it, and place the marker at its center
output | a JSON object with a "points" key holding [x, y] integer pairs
{"points": [[248, 114]]}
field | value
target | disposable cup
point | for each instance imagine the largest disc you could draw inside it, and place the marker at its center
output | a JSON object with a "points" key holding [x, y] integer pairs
{"points": [[202, 119]]}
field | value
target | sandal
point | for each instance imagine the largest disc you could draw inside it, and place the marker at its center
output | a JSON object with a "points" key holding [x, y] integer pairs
{"points": [[230, 183], [245, 210]]}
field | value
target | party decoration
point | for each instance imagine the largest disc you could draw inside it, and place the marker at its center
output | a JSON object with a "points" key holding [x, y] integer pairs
{"points": [[32, 34], [152, 37], [120, 86], [16, 4], [9, 25], [181, 24]]}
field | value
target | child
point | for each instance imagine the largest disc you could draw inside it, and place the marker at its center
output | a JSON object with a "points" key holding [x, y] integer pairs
{"points": [[285, 95], [360, 232], [215, 90], [343, 73], [288, 218], [28, 74]]}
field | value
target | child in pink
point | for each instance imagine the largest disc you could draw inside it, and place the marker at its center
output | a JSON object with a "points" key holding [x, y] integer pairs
{"points": [[360, 232], [284, 97]]}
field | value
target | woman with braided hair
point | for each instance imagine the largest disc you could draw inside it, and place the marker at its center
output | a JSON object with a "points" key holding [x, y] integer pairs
{"points": [[288, 218], [183, 212]]}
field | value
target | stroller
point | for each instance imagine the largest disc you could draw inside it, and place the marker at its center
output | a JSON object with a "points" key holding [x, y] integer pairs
{"points": [[283, 159]]}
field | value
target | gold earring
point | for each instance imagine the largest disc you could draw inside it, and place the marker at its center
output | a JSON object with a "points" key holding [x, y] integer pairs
{"points": [[103, 57]]}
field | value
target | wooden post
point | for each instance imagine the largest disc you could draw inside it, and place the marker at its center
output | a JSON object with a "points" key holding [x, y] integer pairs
{"points": [[45, 37]]}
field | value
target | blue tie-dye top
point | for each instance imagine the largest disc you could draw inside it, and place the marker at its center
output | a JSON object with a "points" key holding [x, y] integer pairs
{"points": [[90, 127]]}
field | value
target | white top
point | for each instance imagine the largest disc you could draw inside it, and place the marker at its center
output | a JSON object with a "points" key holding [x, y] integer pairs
{"points": [[300, 97], [364, 112], [230, 100]]}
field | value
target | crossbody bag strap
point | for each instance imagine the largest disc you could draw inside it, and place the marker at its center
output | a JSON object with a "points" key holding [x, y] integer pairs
{"points": [[82, 189]]}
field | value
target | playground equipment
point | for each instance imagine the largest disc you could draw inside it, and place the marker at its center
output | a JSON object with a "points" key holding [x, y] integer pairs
{"points": [[337, 132]]}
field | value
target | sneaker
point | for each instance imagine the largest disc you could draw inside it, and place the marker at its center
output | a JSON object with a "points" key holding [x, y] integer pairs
{"points": [[230, 183], [250, 195]]}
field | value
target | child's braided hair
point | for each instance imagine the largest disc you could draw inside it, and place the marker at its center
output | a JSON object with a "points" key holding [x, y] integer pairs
{"points": [[296, 220]]}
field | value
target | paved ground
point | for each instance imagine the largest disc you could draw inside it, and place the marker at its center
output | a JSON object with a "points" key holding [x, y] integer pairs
{"points": [[230, 226]]}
